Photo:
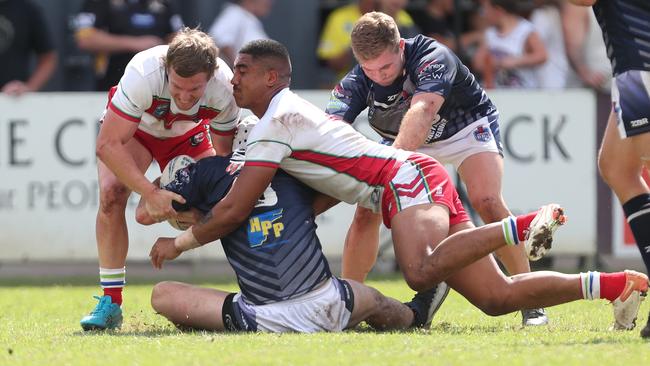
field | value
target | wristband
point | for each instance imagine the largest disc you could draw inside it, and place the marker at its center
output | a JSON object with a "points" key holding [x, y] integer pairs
{"points": [[186, 241]]}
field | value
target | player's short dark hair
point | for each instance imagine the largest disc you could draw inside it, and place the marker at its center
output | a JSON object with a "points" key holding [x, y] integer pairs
{"points": [[274, 54]]}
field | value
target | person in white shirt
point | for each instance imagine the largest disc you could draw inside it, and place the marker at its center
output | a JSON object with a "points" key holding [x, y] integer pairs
{"points": [[172, 100], [237, 24]]}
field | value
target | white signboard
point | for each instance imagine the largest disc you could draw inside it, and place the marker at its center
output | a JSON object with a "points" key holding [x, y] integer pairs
{"points": [[49, 195]]}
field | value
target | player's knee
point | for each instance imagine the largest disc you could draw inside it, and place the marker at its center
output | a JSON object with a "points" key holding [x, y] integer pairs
{"points": [[160, 295], [609, 169], [113, 197], [489, 206], [420, 281]]}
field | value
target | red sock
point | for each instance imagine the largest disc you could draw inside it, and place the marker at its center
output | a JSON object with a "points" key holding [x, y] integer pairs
{"points": [[115, 293], [611, 285], [523, 222]]}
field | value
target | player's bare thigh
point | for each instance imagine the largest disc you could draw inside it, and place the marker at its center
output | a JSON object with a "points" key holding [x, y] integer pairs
{"points": [[416, 231], [188, 305], [620, 160]]}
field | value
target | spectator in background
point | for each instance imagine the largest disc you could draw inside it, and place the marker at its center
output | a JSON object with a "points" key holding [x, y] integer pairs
{"points": [[116, 30], [555, 73], [434, 22], [511, 50], [23, 33], [585, 49], [334, 48], [237, 24], [395, 8]]}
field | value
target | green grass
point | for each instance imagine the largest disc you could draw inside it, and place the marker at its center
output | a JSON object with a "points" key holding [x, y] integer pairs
{"points": [[40, 326]]}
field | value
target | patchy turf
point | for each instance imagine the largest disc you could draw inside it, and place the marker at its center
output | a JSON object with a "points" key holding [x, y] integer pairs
{"points": [[39, 325]]}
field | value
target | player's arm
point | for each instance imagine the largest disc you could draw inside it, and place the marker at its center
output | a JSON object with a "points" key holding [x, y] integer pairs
{"points": [[222, 143], [96, 40], [114, 134], [323, 202], [225, 217], [417, 121], [534, 54]]}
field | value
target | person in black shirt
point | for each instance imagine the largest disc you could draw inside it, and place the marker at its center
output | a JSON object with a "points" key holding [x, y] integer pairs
{"points": [[23, 32], [118, 29]]}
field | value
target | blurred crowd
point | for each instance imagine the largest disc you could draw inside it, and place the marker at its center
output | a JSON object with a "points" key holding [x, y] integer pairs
{"points": [[546, 44]]}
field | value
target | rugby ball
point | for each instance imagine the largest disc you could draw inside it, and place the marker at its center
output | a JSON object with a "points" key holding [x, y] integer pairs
{"points": [[174, 165], [168, 175]]}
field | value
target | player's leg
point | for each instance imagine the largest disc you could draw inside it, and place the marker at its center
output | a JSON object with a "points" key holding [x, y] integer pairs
{"points": [[112, 240], [188, 306], [482, 174], [624, 152], [485, 286], [361, 245], [379, 311]]}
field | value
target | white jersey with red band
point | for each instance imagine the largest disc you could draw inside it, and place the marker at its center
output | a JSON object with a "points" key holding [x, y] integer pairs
{"points": [[326, 154], [143, 97]]}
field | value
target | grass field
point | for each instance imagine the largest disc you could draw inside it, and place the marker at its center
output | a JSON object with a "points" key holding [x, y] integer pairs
{"points": [[39, 325]]}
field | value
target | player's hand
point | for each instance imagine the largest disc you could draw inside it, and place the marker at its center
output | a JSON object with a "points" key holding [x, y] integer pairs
{"points": [[15, 88], [158, 204], [162, 250]]}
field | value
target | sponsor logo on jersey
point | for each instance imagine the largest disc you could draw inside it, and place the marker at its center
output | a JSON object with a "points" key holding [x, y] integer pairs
{"points": [[431, 71], [482, 134], [197, 139], [437, 128], [266, 229], [335, 104], [161, 110], [639, 122]]}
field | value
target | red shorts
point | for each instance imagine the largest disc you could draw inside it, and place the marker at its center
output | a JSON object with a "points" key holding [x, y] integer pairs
{"points": [[193, 143], [421, 180]]}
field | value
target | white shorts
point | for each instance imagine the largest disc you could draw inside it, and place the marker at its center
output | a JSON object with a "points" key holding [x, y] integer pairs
{"points": [[631, 102], [327, 308], [480, 136]]}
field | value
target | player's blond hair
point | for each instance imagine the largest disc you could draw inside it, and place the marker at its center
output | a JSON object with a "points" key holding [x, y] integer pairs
{"points": [[373, 33], [191, 52]]}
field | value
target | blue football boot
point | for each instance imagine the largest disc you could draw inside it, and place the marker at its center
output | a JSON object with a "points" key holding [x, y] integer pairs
{"points": [[106, 315]]}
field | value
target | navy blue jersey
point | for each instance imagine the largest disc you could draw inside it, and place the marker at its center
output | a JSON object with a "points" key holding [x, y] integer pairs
{"points": [[626, 31], [430, 67], [276, 254]]}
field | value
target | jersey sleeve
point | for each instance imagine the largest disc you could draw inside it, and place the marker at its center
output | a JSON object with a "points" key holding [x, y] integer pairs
{"points": [[435, 72], [133, 95], [226, 122], [348, 98], [268, 143]]}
